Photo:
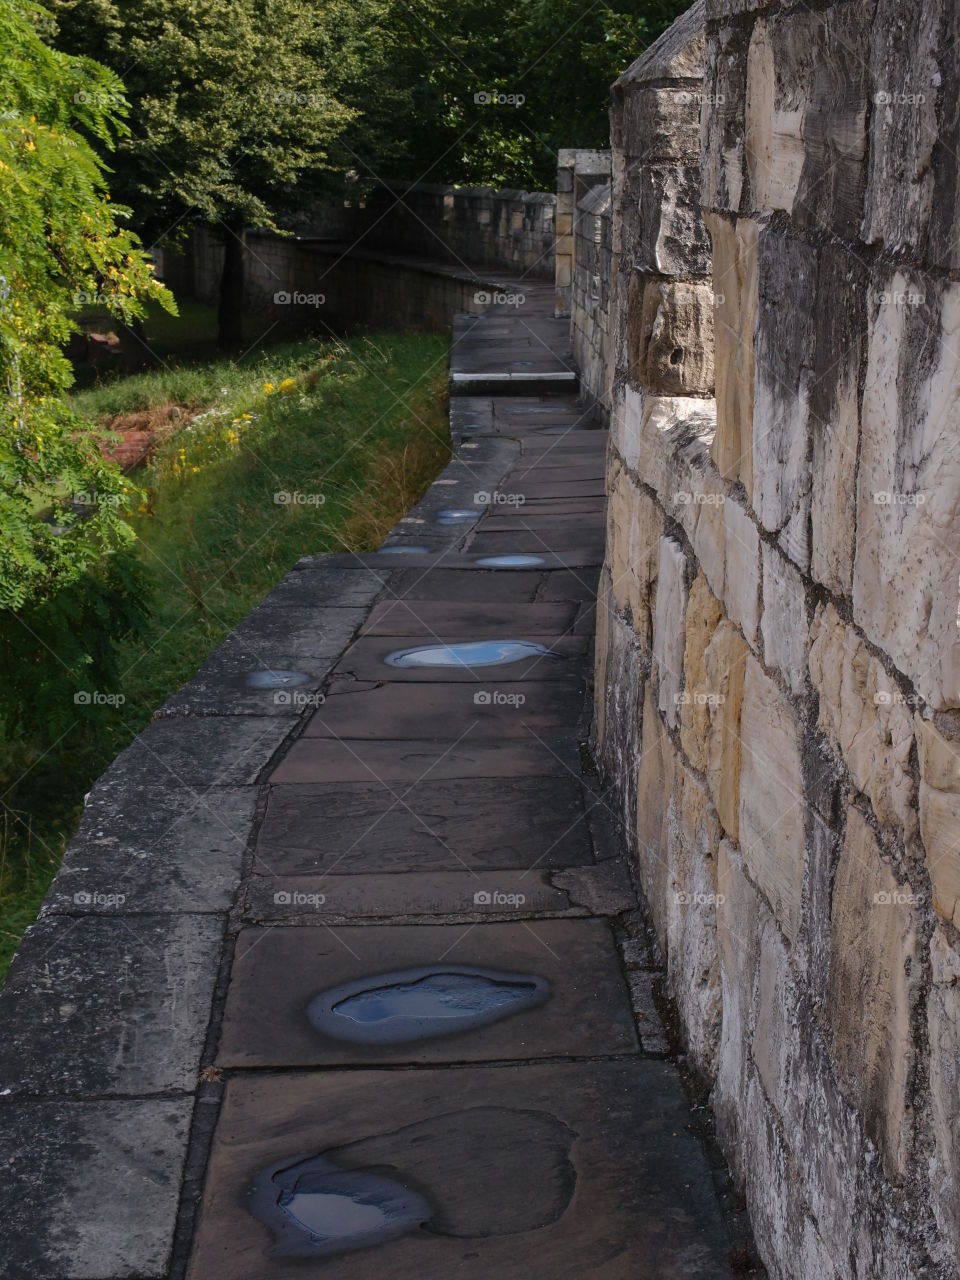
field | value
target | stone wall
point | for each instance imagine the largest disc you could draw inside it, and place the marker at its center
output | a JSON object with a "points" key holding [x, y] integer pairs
{"points": [[506, 230], [778, 663], [590, 295], [462, 239], [300, 285]]}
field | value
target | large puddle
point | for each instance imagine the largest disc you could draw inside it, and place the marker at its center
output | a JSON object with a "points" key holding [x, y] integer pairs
{"points": [[423, 1003], [510, 562], [275, 679], [470, 1174], [315, 1209], [470, 654], [458, 515]]}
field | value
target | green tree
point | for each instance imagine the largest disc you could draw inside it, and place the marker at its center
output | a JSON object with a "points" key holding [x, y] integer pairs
{"points": [[234, 105], [61, 241]]}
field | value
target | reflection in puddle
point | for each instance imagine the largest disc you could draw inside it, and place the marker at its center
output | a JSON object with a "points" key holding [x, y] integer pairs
{"points": [[457, 515], [403, 551], [315, 1208], [420, 1004], [275, 679], [510, 562], [477, 653]]}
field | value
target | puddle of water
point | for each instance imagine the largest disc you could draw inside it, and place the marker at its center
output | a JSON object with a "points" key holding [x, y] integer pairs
{"points": [[404, 551], [476, 653], [275, 679], [421, 1004], [315, 1209], [510, 562], [457, 515]]}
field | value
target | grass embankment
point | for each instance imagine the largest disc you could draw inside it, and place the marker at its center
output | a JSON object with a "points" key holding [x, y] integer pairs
{"points": [[357, 429]]}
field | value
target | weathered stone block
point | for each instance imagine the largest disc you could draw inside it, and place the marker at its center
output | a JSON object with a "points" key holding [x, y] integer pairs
{"points": [[943, 1026], [866, 718], [905, 44], [905, 594], [656, 779], [722, 122], [741, 586], [874, 980], [725, 663], [735, 256], [661, 124], [668, 628], [787, 278], [673, 354], [634, 527], [805, 120], [771, 796], [738, 949], [784, 624], [703, 615], [940, 816], [835, 416], [673, 239]]}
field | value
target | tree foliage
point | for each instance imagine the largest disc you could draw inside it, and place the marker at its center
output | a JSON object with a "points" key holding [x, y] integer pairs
{"points": [[61, 241]]}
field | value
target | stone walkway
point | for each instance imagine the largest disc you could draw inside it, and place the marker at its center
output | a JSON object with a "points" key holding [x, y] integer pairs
{"points": [[390, 877]]}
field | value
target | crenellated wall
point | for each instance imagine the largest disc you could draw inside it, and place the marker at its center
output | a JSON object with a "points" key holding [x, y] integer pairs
{"points": [[778, 657]]}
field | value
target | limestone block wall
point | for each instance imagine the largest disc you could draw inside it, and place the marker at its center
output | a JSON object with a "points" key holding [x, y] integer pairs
{"points": [[590, 294], [778, 657], [508, 230], [578, 172], [310, 286]]}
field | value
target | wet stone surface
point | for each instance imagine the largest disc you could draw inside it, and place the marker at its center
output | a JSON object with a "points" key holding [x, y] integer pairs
{"points": [[302, 996]]}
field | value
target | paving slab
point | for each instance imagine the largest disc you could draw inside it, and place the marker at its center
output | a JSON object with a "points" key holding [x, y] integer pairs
{"points": [[439, 618], [403, 761], [197, 752], [413, 711], [102, 1004], [163, 848], [566, 660], [566, 1170], [488, 824], [577, 544], [91, 1188], [467, 585], [277, 972], [603, 889]]}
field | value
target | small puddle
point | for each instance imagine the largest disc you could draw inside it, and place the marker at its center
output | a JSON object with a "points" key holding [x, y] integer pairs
{"points": [[510, 562], [404, 551], [275, 679], [421, 1004], [477, 653], [314, 1208], [457, 515]]}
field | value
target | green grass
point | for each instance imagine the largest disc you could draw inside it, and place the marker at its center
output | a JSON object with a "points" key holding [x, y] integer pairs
{"points": [[360, 427]]}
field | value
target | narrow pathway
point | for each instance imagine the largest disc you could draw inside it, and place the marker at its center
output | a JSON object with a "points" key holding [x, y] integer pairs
{"points": [[432, 1065], [341, 973]]}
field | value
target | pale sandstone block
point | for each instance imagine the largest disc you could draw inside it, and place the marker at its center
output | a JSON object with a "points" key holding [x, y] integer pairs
{"points": [[874, 980], [774, 142], [940, 816], [784, 625], [725, 664], [656, 796], [943, 1025], [738, 949], [905, 582], [668, 627], [673, 454], [741, 585], [771, 796], [735, 287], [634, 527], [866, 719], [703, 615], [674, 341], [693, 968]]}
